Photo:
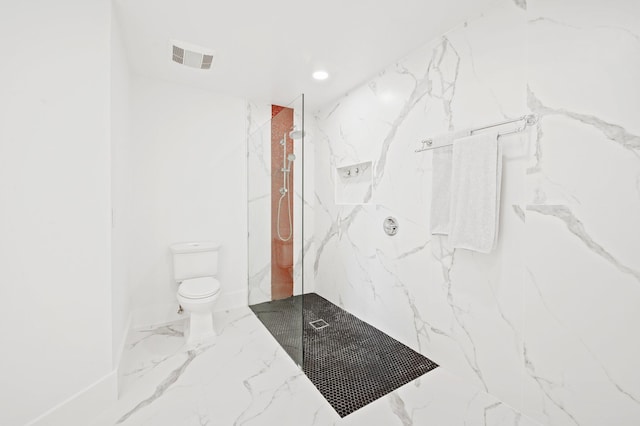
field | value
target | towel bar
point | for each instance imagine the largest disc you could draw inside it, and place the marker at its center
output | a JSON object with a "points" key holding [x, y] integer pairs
{"points": [[527, 120]]}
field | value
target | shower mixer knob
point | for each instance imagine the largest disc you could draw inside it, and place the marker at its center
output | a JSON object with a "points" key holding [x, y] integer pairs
{"points": [[390, 226]]}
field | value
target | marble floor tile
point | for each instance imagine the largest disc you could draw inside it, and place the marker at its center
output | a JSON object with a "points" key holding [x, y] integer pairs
{"points": [[246, 378]]}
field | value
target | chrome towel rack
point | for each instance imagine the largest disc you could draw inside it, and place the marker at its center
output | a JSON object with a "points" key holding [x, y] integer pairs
{"points": [[527, 120]]}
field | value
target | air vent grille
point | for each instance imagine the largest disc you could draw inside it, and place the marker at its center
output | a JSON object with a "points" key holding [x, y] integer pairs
{"points": [[178, 54], [192, 56], [207, 60]]}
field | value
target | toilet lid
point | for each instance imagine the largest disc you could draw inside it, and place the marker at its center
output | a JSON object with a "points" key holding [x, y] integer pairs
{"points": [[198, 288]]}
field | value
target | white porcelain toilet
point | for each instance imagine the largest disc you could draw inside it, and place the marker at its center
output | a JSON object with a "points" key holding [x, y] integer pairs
{"points": [[195, 266]]}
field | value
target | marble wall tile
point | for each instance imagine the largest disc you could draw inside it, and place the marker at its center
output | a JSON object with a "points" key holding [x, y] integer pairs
{"points": [[545, 322], [582, 239], [454, 307], [581, 313]]}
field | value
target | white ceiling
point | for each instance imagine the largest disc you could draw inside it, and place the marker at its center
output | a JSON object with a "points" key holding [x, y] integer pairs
{"points": [[266, 50]]}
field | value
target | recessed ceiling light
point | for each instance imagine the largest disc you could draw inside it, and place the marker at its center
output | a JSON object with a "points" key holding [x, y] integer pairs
{"points": [[320, 75]]}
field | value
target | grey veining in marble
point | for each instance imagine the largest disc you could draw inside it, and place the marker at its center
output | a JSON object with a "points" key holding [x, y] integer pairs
{"points": [[522, 4], [166, 330], [613, 132], [416, 250], [584, 346], [246, 378], [399, 409], [572, 64], [446, 259], [162, 387], [576, 227], [547, 386], [519, 212], [622, 29], [423, 85]]}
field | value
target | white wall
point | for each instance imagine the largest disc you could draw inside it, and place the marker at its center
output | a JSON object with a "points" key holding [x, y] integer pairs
{"points": [[259, 203], [188, 147], [54, 203], [122, 172], [547, 322]]}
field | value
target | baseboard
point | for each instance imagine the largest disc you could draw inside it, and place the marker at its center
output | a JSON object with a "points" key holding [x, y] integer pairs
{"points": [[84, 406]]}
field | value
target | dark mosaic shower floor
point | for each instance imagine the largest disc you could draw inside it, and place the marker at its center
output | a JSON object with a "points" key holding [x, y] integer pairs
{"points": [[350, 362]]}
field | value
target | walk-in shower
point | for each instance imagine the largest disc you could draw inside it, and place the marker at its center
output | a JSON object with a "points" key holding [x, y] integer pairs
{"points": [[276, 211], [350, 362]]}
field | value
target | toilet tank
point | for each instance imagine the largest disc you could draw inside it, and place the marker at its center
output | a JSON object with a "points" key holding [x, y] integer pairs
{"points": [[194, 260]]}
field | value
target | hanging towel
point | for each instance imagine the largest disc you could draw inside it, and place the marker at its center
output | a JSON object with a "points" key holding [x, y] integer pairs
{"points": [[475, 192], [441, 181]]}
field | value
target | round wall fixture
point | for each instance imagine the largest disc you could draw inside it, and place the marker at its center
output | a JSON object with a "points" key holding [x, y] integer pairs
{"points": [[390, 226]]}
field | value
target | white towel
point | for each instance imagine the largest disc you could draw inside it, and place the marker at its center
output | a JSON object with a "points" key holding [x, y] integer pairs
{"points": [[441, 181], [475, 192]]}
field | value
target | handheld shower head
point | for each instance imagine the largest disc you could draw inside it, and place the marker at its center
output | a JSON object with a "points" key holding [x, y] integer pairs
{"points": [[291, 157]]}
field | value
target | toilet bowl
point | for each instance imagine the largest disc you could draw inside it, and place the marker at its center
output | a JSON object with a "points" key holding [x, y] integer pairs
{"points": [[195, 266], [197, 297]]}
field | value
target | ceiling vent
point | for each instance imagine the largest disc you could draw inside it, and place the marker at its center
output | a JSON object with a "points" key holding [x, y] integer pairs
{"points": [[191, 55]]}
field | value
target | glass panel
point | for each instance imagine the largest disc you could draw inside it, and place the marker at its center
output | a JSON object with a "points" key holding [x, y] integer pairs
{"points": [[275, 223]]}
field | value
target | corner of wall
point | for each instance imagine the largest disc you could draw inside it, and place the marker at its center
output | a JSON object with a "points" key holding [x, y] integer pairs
{"points": [[82, 407], [120, 347]]}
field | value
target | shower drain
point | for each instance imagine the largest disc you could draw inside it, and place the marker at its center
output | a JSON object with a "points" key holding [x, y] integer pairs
{"points": [[319, 324]]}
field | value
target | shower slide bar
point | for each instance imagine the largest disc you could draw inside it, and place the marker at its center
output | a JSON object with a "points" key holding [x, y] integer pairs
{"points": [[527, 120]]}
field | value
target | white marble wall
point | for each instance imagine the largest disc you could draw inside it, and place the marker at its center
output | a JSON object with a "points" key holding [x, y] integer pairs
{"points": [[582, 276], [545, 322]]}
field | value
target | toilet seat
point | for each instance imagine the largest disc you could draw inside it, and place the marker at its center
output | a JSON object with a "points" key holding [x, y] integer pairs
{"points": [[199, 288]]}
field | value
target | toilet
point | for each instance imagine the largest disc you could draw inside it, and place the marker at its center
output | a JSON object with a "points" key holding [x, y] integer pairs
{"points": [[195, 266]]}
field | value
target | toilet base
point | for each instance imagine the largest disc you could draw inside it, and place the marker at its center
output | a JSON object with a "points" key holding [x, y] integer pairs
{"points": [[199, 329]]}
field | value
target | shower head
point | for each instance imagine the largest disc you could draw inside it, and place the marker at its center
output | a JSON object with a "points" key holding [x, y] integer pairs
{"points": [[291, 157], [296, 134]]}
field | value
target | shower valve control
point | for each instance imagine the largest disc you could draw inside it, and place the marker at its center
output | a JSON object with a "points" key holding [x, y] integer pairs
{"points": [[390, 226]]}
